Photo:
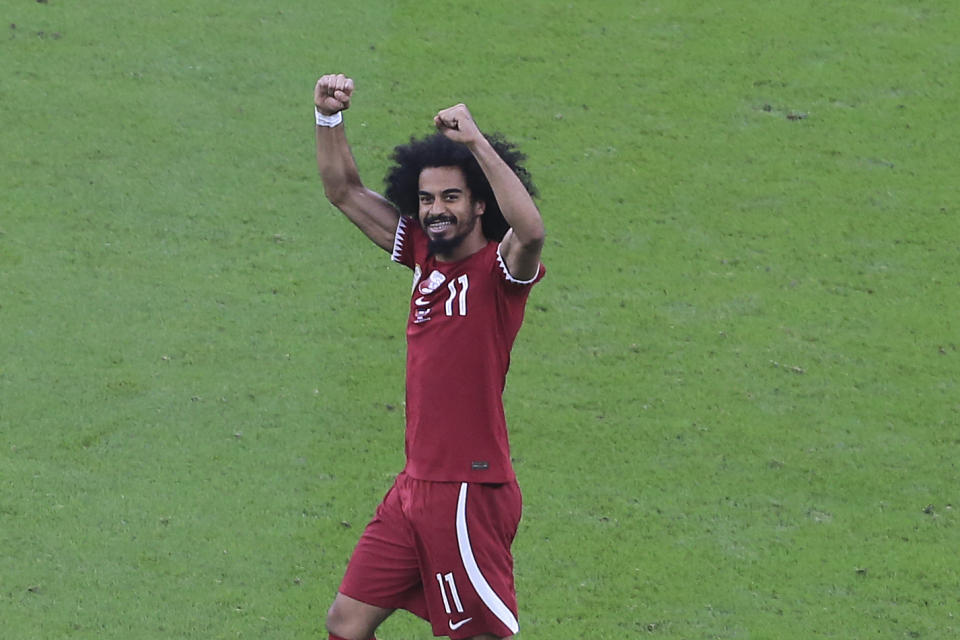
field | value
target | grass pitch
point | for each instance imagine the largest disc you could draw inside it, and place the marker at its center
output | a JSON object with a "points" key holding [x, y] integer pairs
{"points": [[734, 403]]}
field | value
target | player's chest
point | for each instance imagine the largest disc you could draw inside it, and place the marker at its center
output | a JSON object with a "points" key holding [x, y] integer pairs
{"points": [[442, 296]]}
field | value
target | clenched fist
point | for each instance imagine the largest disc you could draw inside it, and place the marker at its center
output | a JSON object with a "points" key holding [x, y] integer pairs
{"points": [[457, 124], [332, 93]]}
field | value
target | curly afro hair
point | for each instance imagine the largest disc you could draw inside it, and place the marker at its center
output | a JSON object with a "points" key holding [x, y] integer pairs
{"points": [[403, 180]]}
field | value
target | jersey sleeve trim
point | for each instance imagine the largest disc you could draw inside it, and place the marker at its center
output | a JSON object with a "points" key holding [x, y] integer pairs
{"points": [[398, 239], [509, 276]]}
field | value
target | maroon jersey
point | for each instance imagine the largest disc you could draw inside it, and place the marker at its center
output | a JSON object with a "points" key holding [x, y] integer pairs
{"points": [[464, 317]]}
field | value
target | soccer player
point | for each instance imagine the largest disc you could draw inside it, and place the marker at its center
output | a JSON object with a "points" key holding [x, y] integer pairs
{"points": [[458, 212]]}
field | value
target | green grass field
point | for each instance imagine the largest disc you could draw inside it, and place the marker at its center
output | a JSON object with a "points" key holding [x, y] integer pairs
{"points": [[735, 403]]}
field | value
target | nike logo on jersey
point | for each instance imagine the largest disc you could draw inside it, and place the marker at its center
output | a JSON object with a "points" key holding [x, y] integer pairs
{"points": [[456, 625]]}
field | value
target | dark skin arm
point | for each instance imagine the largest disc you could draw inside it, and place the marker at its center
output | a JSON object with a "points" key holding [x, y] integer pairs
{"points": [[523, 243], [370, 211]]}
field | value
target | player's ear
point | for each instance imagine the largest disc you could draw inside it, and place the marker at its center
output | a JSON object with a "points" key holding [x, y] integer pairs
{"points": [[479, 206]]}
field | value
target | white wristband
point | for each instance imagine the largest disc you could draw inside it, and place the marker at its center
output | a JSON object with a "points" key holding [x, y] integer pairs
{"points": [[328, 121]]}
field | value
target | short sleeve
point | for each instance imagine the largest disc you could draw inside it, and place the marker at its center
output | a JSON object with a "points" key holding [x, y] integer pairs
{"points": [[403, 242], [508, 277]]}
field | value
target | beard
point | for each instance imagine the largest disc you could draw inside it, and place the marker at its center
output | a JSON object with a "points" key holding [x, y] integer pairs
{"points": [[443, 246]]}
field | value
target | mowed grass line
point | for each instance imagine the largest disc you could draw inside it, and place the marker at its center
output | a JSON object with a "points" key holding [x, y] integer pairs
{"points": [[733, 403]]}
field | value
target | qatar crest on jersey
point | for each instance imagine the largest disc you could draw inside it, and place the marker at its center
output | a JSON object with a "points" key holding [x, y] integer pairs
{"points": [[425, 288]]}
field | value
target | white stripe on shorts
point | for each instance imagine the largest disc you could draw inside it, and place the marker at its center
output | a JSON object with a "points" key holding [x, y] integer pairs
{"points": [[480, 584]]}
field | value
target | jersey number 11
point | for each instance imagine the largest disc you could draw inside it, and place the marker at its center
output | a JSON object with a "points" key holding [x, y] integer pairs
{"points": [[457, 302]]}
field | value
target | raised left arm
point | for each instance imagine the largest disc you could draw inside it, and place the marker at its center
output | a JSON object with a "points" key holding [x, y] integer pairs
{"points": [[523, 242]]}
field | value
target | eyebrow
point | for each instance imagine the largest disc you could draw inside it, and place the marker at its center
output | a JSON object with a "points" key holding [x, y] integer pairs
{"points": [[445, 192]]}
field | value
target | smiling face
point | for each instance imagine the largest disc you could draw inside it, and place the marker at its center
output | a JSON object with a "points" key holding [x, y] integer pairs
{"points": [[448, 213]]}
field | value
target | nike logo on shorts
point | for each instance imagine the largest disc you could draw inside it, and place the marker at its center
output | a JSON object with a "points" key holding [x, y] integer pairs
{"points": [[456, 625]]}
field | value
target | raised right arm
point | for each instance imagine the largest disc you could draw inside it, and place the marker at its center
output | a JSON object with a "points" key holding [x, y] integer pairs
{"points": [[370, 211]]}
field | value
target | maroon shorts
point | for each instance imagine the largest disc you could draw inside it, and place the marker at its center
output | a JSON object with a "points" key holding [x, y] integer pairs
{"points": [[441, 550]]}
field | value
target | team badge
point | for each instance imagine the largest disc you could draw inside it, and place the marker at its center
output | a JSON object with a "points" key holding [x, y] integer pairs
{"points": [[427, 287], [432, 283]]}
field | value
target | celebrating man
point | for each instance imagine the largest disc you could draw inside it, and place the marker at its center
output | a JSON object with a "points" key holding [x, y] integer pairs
{"points": [[458, 211]]}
